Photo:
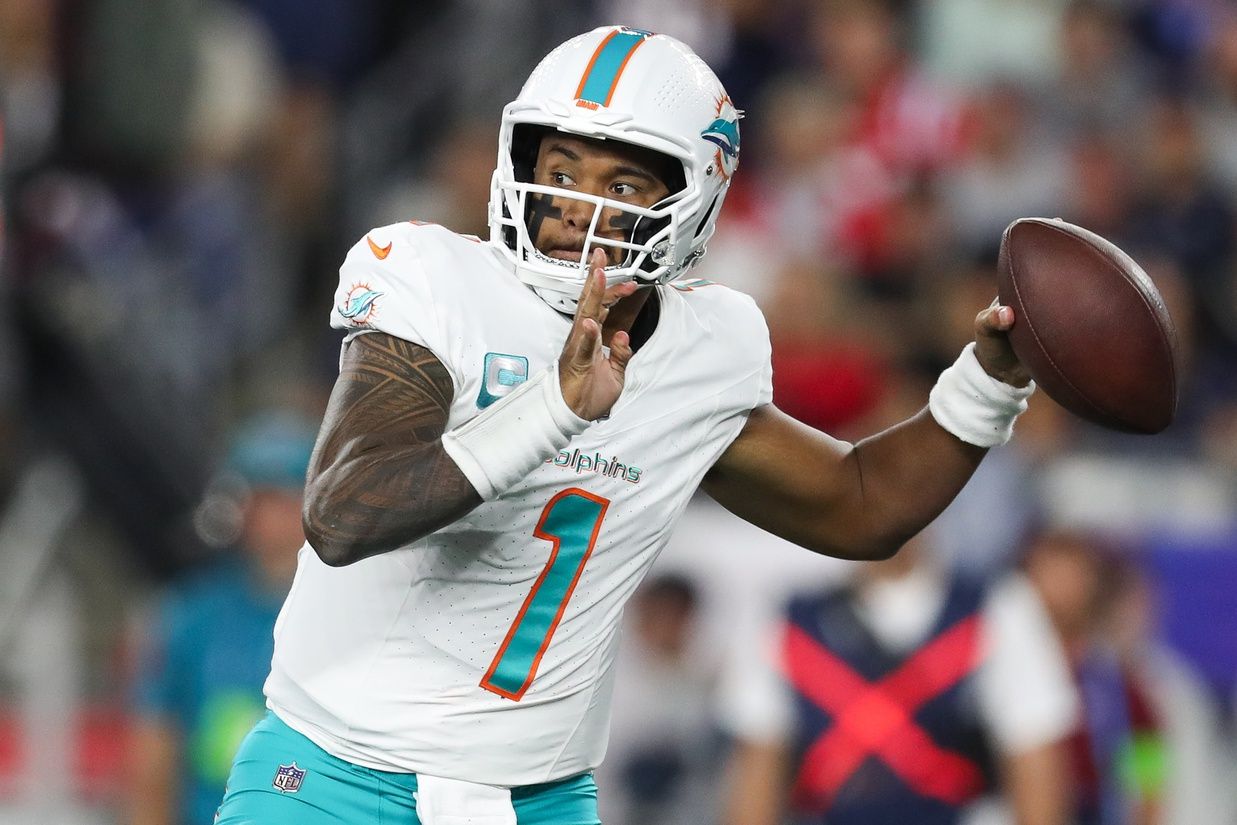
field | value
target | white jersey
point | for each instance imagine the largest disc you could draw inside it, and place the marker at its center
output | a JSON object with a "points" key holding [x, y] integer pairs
{"points": [[485, 651]]}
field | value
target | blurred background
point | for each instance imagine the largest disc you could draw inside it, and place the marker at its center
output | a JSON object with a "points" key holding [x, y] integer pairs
{"points": [[181, 179]]}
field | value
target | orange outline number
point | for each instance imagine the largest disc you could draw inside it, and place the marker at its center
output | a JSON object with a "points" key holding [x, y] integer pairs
{"points": [[571, 522]]}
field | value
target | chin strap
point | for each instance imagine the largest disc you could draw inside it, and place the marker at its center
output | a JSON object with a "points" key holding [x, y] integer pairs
{"points": [[557, 301]]}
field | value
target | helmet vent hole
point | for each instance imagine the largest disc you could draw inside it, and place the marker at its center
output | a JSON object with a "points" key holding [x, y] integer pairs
{"points": [[671, 94]]}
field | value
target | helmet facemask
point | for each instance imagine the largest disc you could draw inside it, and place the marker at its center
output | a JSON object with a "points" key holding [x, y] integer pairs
{"points": [[643, 250]]}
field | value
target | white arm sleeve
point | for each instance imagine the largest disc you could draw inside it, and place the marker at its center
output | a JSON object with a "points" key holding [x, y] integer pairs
{"points": [[1026, 695]]}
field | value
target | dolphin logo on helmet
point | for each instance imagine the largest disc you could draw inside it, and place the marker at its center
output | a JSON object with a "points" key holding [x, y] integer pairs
{"points": [[724, 133]]}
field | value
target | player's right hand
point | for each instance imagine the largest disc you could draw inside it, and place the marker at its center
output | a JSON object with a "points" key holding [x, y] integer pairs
{"points": [[590, 379]]}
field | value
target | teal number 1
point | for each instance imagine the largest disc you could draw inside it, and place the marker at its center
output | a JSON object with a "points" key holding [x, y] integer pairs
{"points": [[570, 522]]}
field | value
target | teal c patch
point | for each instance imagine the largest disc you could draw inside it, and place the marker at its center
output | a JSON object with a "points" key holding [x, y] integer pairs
{"points": [[501, 374]]}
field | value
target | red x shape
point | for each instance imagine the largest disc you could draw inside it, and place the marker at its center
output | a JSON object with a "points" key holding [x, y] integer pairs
{"points": [[878, 718]]}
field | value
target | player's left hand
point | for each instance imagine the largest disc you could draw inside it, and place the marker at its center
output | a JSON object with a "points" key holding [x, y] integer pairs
{"points": [[992, 346], [591, 381]]}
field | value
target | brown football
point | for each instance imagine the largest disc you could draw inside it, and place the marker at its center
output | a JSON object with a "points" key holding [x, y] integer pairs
{"points": [[1089, 325]]}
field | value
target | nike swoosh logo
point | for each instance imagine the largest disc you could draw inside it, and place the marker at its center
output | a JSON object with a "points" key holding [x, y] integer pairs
{"points": [[380, 252]]}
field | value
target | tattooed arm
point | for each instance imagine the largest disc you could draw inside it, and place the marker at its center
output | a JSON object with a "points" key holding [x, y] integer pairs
{"points": [[379, 477]]}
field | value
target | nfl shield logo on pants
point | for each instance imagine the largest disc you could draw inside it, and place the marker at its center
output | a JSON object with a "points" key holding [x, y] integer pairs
{"points": [[288, 778]]}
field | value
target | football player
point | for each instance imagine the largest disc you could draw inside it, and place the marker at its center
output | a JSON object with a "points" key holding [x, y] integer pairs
{"points": [[516, 427]]}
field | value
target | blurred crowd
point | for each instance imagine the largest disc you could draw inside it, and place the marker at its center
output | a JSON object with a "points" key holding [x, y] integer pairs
{"points": [[181, 179]]}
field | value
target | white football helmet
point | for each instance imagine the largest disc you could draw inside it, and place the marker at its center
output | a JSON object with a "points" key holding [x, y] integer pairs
{"points": [[627, 85]]}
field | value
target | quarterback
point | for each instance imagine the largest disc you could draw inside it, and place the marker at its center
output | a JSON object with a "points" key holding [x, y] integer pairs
{"points": [[516, 427]]}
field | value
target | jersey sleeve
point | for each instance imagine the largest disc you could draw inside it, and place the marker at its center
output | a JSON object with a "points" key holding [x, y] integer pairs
{"points": [[1025, 692], [387, 283], [384, 287], [750, 348], [764, 354]]}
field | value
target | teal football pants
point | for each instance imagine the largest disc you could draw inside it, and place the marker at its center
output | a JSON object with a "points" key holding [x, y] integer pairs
{"points": [[331, 791]]}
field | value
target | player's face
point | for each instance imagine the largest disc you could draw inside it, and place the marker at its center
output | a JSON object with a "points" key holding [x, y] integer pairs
{"points": [[617, 171]]}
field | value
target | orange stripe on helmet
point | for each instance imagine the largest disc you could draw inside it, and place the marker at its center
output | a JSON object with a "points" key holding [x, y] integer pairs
{"points": [[588, 70]]}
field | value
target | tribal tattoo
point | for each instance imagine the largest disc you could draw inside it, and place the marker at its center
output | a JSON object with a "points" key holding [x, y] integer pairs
{"points": [[380, 477]]}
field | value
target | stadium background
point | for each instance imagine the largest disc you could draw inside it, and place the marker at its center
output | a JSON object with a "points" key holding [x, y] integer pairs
{"points": [[182, 178]]}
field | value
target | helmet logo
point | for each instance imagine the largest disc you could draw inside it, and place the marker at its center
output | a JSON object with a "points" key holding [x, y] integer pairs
{"points": [[723, 133]]}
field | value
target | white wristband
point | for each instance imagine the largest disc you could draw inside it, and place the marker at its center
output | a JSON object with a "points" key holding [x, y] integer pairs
{"points": [[509, 440], [973, 405]]}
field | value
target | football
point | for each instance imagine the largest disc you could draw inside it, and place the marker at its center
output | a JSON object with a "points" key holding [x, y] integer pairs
{"points": [[1089, 325]]}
